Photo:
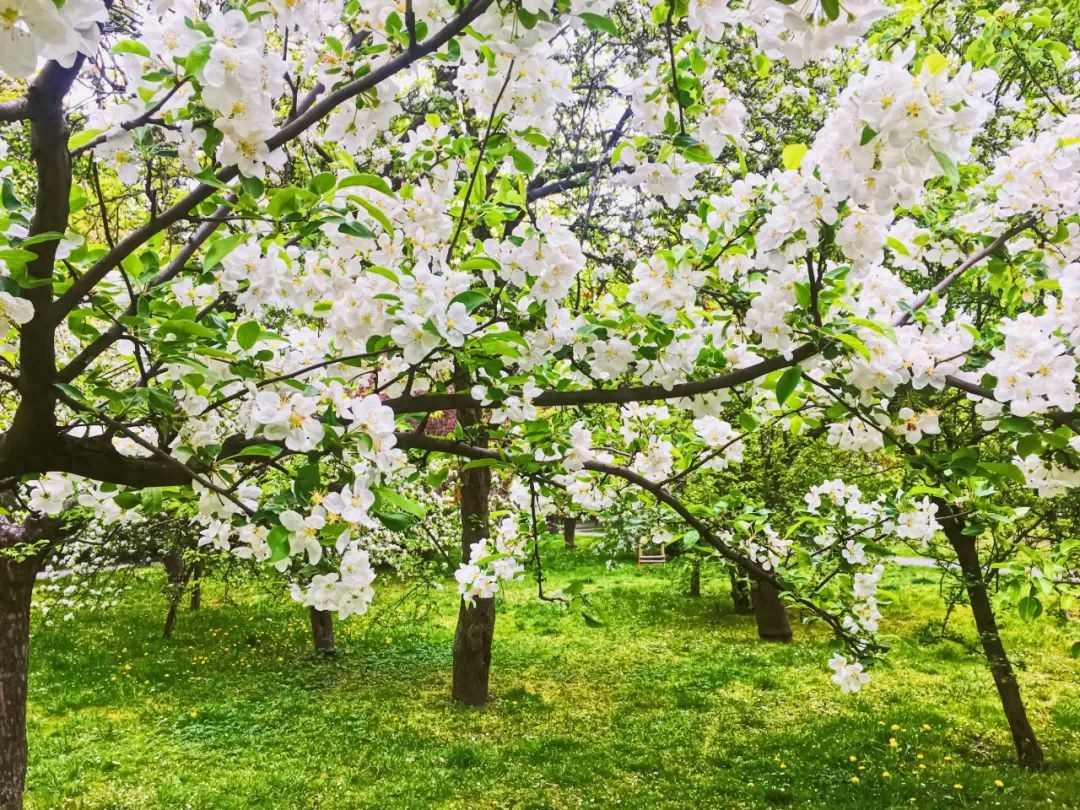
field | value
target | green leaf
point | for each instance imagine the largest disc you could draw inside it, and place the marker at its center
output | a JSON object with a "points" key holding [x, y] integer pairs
{"points": [[151, 500], [831, 8], [949, 167], [867, 135], [278, 540], [793, 154], [1074, 650], [470, 298], [592, 621], [375, 212], [247, 334], [853, 342], [183, 326], [403, 504], [221, 248], [599, 23], [130, 46], [367, 181], [260, 451], [787, 384], [1009, 472], [1030, 608]]}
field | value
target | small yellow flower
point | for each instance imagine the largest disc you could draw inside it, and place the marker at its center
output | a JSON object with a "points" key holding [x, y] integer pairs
{"points": [[999, 784], [958, 786], [894, 727], [925, 726], [782, 766], [892, 742], [853, 758], [854, 780], [193, 714], [886, 774], [918, 756], [948, 758]]}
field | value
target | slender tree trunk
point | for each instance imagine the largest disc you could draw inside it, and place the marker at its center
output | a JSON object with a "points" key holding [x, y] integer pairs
{"points": [[196, 587], [569, 532], [16, 586], [770, 612], [322, 632], [695, 575], [177, 573], [1029, 753], [740, 593], [476, 622]]}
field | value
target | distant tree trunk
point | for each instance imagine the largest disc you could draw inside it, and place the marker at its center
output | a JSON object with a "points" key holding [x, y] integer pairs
{"points": [[196, 587], [1029, 753], [770, 612], [476, 622], [322, 632], [177, 574], [740, 593], [695, 575], [16, 588], [569, 530]]}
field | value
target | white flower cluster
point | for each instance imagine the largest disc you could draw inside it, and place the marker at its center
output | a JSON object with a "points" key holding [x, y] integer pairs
{"points": [[799, 32], [347, 591], [490, 562], [32, 31]]}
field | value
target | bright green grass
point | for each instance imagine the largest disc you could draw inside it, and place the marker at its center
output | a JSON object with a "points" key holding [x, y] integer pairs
{"points": [[673, 704]]}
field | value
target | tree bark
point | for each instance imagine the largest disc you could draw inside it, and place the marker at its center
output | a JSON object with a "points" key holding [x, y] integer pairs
{"points": [[322, 632], [569, 528], [1029, 753], [695, 575], [16, 587], [196, 588], [476, 622], [770, 612], [177, 573], [740, 593]]}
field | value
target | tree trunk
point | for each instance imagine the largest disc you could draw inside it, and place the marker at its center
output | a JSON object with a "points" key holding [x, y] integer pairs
{"points": [[740, 593], [177, 573], [569, 532], [695, 575], [1029, 753], [16, 587], [476, 622], [322, 632], [196, 587], [770, 612]]}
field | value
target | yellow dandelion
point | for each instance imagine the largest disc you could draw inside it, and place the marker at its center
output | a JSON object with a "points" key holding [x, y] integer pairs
{"points": [[854, 780], [999, 784], [958, 786], [886, 774]]}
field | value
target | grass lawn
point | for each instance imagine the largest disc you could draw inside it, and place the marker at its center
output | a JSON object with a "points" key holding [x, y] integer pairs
{"points": [[671, 704]]}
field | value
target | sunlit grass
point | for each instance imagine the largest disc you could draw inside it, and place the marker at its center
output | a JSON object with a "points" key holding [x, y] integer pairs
{"points": [[672, 703]]}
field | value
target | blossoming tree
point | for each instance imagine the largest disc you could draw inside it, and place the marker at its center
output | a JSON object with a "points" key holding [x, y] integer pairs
{"points": [[335, 219]]}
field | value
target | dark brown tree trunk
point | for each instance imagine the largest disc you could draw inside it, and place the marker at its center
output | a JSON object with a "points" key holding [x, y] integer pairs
{"points": [[1029, 753], [740, 594], [16, 587], [322, 632], [196, 587], [569, 532], [177, 573], [476, 622], [770, 612], [695, 575]]}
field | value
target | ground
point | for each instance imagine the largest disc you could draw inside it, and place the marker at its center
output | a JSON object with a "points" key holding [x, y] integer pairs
{"points": [[670, 703]]}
